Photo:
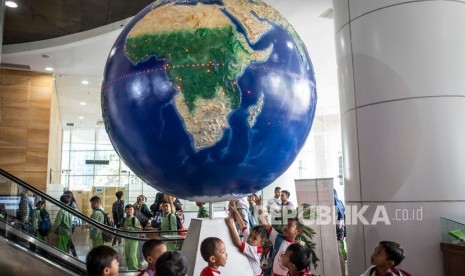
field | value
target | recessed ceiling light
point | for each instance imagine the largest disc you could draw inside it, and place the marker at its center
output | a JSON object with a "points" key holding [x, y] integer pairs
{"points": [[50, 69], [85, 82], [81, 117], [96, 125], [83, 103], [11, 4]]}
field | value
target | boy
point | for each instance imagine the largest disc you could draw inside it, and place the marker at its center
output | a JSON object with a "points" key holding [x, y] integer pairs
{"points": [[97, 215], [255, 238], [297, 260], [168, 222], [102, 260], [130, 223], [172, 263], [385, 258], [152, 250], [213, 251], [63, 225], [280, 242]]}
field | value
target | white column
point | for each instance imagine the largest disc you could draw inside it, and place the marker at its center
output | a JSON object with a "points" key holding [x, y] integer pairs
{"points": [[401, 67]]}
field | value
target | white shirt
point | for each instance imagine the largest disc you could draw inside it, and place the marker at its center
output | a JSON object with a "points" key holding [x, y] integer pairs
{"points": [[278, 268], [253, 253]]}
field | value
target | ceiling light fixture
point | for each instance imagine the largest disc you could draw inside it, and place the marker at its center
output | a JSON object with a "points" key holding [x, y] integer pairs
{"points": [[85, 82], [50, 69], [82, 103], [11, 4], [81, 117]]}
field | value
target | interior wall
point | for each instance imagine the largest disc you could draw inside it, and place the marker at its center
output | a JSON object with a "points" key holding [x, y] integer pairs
{"points": [[25, 104], [55, 141]]}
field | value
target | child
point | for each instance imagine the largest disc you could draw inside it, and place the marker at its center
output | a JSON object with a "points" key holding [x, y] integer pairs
{"points": [[63, 225], [203, 212], [130, 223], [385, 258], [297, 260], [255, 238], [171, 263], [36, 219], [97, 215], [280, 242], [168, 222], [102, 260], [213, 251], [152, 250]]}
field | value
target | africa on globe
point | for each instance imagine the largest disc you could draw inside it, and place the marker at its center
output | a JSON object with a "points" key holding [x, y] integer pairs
{"points": [[208, 100]]}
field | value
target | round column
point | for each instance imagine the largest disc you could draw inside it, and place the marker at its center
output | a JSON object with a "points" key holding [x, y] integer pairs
{"points": [[401, 67]]}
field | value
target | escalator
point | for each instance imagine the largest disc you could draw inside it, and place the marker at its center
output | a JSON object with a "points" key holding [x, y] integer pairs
{"points": [[22, 253]]}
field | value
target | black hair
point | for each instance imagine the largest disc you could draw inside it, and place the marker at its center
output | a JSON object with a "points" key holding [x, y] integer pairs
{"points": [[261, 231], [298, 224], [70, 193], [40, 204], [277, 188], [66, 199], [286, 192], [95, 199], [300, 256], [128, 206], [119, 194], [208, 246], [99, 258], [171, 263], [150, 245], [394, 251]]}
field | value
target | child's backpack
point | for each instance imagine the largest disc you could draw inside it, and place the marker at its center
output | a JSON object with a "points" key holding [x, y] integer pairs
{"points": [[268, 271], [107, 236], [44, 224], [133, 221]]}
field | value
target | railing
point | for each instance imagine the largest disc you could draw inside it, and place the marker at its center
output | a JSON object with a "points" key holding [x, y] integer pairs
{"points": [[10, 186]]}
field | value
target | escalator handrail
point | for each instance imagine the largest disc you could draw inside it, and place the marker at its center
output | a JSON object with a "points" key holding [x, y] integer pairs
{"points": [[118, 232]]}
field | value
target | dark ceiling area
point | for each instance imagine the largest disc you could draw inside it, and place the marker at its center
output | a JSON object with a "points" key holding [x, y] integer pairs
{"points": [[35, 20]]}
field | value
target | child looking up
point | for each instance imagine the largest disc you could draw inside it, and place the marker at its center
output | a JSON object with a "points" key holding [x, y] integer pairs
{"points": [[213, 251], [255, 238], [152, 250], [385, 258], [280, 242], [297, 260]]}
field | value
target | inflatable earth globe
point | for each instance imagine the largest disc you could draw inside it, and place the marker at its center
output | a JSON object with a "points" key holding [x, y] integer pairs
{"points": [[208, 100]]}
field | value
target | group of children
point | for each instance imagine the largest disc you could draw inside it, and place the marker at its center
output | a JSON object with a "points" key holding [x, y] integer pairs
{"points": [[286, 257], [103, 260], [130, 223]]}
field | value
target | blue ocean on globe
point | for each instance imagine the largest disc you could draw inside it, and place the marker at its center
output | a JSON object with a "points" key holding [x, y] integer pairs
{"points": [[208, 100]]}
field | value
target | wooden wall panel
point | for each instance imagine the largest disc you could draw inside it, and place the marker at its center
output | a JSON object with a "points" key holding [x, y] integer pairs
{"points": [[25, 104]]}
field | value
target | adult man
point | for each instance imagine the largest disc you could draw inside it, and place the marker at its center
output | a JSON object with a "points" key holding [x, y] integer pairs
{"points": [[273, 206], [117, 210]]}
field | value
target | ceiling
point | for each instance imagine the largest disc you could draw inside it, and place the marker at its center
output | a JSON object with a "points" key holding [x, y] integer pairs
{"points": [[75, 36]]}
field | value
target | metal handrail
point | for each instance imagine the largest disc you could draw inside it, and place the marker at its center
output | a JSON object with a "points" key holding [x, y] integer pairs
{"points": [[121, 233]]}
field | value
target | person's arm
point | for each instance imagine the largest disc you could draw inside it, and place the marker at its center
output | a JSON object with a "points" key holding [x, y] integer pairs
{"points": [[237, 216], [35, 220], [233, 232], [261, 215]]}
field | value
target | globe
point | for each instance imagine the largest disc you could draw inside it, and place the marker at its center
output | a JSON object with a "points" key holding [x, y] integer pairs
{"points": [[208, 100]]}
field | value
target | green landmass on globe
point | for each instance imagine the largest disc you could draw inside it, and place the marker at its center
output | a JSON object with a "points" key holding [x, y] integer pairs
{"points": [[204, 59]]}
